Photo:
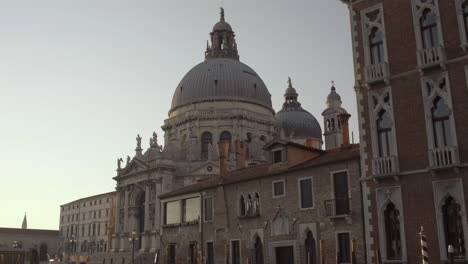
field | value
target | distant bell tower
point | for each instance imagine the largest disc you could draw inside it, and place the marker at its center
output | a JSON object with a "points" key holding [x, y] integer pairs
{"points": [[25, 222], [333, 137]]}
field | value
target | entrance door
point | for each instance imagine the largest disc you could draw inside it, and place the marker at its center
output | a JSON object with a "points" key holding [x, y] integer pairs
{"points": [[284, 255], [341, 193]]}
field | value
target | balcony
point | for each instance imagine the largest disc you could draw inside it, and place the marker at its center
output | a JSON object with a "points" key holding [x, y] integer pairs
{"points": [[431, 57], [443, 157], [338, 207], [377, 72], [383, 166]]}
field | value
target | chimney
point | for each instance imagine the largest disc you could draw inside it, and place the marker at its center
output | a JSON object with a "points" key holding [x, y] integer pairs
{"points": [[240, 154], [343, 118], [223, 152]]}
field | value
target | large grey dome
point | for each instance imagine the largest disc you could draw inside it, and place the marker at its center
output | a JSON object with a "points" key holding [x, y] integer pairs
{"points": [[294, 120], [218, 79]]}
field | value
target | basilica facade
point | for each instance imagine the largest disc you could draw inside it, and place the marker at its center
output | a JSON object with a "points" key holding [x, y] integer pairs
{"points": [[220, 99]]}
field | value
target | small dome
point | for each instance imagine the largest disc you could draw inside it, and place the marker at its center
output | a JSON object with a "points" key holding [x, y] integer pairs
{"points": [[222, 26], [333, 99], [298, 123], [294, 120]]}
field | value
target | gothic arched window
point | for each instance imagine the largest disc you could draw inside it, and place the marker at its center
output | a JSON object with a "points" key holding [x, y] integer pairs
{"points": [[392, 232], [206, 141], [453, 226], [441, 123], [376, 46], [309, 248], [258, 251], [429, 34], [242, 206], [255, 204], [249, 205], [384, 133]]}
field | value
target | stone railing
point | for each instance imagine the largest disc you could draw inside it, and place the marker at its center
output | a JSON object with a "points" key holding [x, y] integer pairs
{"points": [[376, 72], [443, 157], [430, 56], [385, 165]]}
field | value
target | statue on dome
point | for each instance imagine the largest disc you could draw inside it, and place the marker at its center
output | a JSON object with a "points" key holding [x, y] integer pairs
{"points": [[119, 163], [138, 139], [128, 160]]}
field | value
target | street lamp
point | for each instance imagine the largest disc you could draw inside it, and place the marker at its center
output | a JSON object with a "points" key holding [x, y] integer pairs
{"points": [[451, 252], [72, 242], [132, 240], [15, 244]]}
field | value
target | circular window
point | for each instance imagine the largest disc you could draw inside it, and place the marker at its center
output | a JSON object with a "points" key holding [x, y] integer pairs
{"points": [[209, 168]]}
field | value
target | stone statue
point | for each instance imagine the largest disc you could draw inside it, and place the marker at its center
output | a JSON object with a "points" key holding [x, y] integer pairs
{"points": [[119, 163], [138, 139], [128, 160], [282, 136], [154, 140]]}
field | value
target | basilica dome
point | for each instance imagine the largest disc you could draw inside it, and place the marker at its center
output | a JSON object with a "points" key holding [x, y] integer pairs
{"points": [[221, 77], [218, 79], [294, 120]]}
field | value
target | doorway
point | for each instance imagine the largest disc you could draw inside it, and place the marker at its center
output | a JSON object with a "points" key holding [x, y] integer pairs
{"points": [[284, 255]]}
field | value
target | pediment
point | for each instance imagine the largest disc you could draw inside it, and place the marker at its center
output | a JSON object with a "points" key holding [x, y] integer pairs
{"points": [[135, 166]]}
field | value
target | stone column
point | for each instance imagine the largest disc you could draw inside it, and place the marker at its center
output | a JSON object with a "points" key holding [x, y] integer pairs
{"points": [[157, 220], [147, 209], [117, 213]]}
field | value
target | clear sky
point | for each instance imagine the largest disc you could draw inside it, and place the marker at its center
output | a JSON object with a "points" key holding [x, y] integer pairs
{"points": [[80, 78]]}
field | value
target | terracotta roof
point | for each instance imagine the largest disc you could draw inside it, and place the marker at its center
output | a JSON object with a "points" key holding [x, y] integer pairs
{"points": [[21, 231], [287, 142], [264, 170]]}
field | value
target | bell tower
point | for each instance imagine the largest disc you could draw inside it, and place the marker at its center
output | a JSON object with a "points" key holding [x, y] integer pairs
{"points": [[332, 128]]}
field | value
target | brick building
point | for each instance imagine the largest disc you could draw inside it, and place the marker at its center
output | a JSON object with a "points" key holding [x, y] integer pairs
{"points": [[410, 65], [86, 226]]}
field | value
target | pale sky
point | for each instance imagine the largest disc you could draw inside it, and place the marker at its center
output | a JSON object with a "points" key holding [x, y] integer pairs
{"points": [[79, 79]]}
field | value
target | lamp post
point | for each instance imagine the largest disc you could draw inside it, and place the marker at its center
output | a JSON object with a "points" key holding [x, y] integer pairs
{"points": [[132, 240], [72, 243], [450, 251]]}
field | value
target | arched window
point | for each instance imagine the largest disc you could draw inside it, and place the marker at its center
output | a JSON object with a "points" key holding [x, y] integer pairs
{"points": [[376, 46], [429, 34], [441, 123], [249, 205], [258, 251], [392, 232], [384, 133], [328, 125], [248, 140], [226, 136], [332, 124], [255, 204], [453, 226], [242, 206], [206, 141], [309, 248]]}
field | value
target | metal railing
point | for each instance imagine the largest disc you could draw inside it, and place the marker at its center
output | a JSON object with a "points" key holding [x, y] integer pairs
{"points": [[385, 165], [338, 206], [443, 157], [376, 72], [430, 56]]}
